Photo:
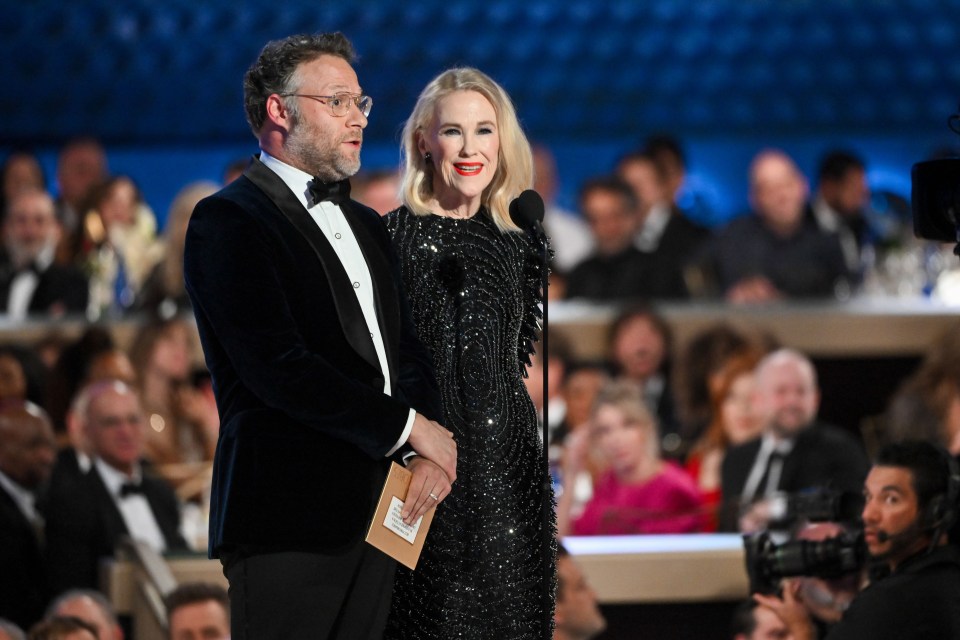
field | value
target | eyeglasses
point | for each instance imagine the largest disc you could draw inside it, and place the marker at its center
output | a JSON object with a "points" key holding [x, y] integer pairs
{"points": [[339, 103]]}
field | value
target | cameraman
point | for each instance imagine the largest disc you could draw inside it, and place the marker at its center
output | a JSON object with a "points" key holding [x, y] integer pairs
{"points": [[911, 498]]}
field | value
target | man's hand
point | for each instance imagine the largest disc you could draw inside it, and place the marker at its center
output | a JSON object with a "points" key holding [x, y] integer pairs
{"points": [[431, 441], [789, 609], [428, 487]]}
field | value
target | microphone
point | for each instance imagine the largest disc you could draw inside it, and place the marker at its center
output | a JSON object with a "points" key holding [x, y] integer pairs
{"points": [[526, 211], [910, 531]]}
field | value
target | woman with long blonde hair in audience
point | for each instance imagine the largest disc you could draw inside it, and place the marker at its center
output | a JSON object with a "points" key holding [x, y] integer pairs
{"points": [[638, 493]]}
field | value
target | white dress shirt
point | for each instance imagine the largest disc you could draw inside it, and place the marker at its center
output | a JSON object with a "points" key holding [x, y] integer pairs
{"points": [[134, 508], [768, 445], [333, 223], [24, 284]]}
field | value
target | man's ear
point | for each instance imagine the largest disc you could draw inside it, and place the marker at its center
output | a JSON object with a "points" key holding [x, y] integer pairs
{"points": [[277, 112]]}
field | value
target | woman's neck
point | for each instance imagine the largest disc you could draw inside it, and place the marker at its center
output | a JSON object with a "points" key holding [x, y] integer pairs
{"points": [[639, 473], [455, 206]]}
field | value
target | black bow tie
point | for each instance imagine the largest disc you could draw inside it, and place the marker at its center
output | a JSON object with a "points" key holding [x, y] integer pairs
{"points": [[30, 267], [335, 192], [130, 488]]}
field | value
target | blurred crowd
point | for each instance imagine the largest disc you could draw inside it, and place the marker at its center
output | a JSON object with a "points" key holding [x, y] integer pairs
{"points": [[101, 438]]}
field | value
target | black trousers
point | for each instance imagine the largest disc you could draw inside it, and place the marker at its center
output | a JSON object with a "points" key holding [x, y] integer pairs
{"points": [[307, 596]]}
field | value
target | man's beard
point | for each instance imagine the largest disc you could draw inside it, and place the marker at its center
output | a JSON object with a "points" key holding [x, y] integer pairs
{"points": [[318, 154]]}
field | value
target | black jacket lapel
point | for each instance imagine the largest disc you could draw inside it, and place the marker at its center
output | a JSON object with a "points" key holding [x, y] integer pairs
{"points": [[348, 307]]}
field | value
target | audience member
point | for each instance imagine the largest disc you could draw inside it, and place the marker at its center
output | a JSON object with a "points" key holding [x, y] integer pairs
{"points": [[117, 497], [120, 247], [26, 457], [184, 421], [235, 169], [72, 370], [638, 493], [198, 611], [163, 293], [557, 356], [796, 452], [30, 282], [671, 163], [778, 251], [90, 606], [379, 190], [616, 270], [576, 616], [81, 165], [671, 240], [927, 403], [63, 628], [21, 172], [569, 235], [754, 622], [13, 379], [914, 593], [641, 346], [701, 358], [841, 202], [10, 631], [735, 421]]}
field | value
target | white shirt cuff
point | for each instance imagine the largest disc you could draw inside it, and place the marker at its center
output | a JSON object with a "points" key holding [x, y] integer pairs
{"points": [[403, 436]]}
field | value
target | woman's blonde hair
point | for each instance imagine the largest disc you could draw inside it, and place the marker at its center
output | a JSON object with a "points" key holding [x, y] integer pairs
{"points": [[515, 159], [627, 396]]}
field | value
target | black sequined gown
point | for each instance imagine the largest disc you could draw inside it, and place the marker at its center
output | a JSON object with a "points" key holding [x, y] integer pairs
{"points": [[487, 567]]}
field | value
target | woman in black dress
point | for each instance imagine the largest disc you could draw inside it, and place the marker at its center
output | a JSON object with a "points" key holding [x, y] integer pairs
{"points": [[473, 278]]}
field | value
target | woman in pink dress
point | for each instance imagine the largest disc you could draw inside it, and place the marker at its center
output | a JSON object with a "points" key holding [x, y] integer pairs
{"points": [[637, 493]]}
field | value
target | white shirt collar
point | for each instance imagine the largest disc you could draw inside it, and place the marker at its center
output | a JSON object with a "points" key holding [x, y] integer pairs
{"points": [[653, 226], [114, 478], [294, 178]]}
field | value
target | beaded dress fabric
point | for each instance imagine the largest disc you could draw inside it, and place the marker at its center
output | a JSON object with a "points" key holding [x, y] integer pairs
{"points": [[487, 568]]}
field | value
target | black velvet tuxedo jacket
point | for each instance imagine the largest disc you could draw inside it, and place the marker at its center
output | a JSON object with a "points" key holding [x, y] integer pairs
{"points": [[23, 592], [84, 525], [304, 422], [823, 456]]}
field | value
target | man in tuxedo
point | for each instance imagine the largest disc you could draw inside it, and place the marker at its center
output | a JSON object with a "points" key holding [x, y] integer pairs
{"points": [[27, 451], [30, 282], [198, 611], [795, 452], [319, 376], [672, 240], [116, 497]]}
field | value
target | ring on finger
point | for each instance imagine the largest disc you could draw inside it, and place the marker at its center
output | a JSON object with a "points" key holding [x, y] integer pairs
{"points": [[435, 497]]}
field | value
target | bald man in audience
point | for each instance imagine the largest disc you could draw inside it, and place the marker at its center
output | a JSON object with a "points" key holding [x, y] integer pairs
{"points": [[31, 284], [27, 451], [795, 452], [778, 251], [116, 497], [577, 615], [198, 611]]}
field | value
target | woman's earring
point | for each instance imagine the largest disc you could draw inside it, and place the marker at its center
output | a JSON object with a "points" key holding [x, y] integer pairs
{"points": [[428, 157]]}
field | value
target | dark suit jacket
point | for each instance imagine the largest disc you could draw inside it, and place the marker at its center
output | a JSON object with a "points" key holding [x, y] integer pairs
{"points": [[679, 246], [304, 422], [84, 525], [58, 285], [823, 456], [23, 592]]}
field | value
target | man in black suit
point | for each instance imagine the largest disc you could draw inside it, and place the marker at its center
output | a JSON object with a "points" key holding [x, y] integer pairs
{"points": [[672, 240], [116, 497], [319, 376], [27, 451], [795, 453], [30, 282]]}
